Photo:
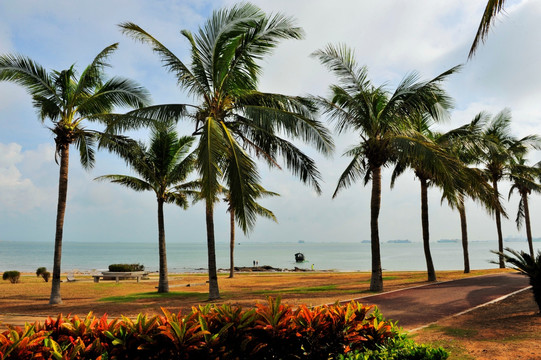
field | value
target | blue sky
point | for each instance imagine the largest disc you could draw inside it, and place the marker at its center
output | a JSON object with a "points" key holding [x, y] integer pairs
{"points": [[391, 37]]}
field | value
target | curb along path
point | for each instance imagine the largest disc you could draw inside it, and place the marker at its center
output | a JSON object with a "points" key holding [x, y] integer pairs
{"points": [[423, 305]]}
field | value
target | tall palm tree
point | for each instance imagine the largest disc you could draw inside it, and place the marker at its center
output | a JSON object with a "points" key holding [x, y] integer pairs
{"points": [[449, 172], [162, 167], [499, 148], [68, 101], [381, 119], [466, 146], [524, 180], [493, 8], [261, 211], [233, 119]]}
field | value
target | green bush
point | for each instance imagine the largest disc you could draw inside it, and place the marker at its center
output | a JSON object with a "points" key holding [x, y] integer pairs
{"points": [[400, 347], [13, 276], [126, 267], [42, 271]]}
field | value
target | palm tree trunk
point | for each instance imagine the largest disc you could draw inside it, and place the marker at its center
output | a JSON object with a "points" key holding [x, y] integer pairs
{"points": [[232, 242], [499, 226], [426, 236], [60, 213], [376, 281], [528, 225], [163, 284], [214, 292], [464, 230]]}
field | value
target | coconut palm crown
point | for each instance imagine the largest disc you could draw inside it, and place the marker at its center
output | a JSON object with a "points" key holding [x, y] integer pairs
{"points": [[163, 168], [69, 100], [233, 120], [499, 148], [381, 119], [524, 181]]}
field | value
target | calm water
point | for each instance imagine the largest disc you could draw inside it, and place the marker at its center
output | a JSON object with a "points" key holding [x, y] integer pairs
{"points": [[182, 257]]}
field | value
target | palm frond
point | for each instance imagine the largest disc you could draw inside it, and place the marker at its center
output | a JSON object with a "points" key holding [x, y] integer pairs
{"points": [[92, 76], [85, 142], [293, 116], [115, 92], [353, 171], [340, 60], [127, 181], [493, 8], [170, 61], [33, 77], [211, 152], [138, 118]]}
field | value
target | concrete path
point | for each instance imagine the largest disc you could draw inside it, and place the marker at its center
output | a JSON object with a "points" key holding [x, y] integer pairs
{"points": [[423, 305], [412, 308]]}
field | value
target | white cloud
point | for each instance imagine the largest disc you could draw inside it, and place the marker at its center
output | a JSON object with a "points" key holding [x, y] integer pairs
{"points": [[19, 193]]}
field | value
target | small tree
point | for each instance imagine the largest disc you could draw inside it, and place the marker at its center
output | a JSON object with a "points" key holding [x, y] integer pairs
{"points": [[42, 271], [13, 276], [526, 265]]}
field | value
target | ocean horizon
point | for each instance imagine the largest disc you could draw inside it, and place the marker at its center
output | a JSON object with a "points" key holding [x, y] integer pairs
{"points": [[26, 256]]}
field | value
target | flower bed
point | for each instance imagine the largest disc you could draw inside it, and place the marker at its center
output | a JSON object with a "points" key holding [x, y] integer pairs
{"points": [[270, 331]]}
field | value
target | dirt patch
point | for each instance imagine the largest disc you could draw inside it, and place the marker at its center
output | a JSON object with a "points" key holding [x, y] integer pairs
{"points": [[509, 329]]}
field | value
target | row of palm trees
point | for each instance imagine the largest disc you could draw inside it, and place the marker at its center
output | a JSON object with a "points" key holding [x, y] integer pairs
{"points": [[235, 125]]}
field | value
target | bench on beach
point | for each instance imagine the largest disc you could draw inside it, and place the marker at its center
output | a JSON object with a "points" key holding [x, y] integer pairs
{"points": [[110, 275]]}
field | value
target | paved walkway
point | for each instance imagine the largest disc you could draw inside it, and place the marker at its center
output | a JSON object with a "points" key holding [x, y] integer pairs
{"points": [[412, 308], [423, 305]]}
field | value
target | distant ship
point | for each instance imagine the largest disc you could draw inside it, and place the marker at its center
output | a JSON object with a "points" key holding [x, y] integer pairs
{"points": [[514, 239], [399, 241], [448, 240], [301, 241]]}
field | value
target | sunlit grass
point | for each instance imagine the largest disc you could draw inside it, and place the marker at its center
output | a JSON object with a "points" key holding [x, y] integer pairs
{"points": [[154, 295]]}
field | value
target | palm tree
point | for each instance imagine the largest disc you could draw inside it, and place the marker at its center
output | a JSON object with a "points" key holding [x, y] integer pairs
{"points": [[162, 167], [493, 8], [523, 178], [261, 211], [381, 119], [465, 145], [233, 119], [449, 172], [67, 100], [499, 148], [528, 265]]}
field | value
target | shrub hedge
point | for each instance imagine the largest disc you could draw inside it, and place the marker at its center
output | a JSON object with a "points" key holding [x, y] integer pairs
{"points": [[126, 267], [42, 271], [13, 276], [270, 331]]}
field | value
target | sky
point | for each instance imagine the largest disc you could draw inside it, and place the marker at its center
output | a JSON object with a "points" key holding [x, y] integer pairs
{"points": [[391, 37]]}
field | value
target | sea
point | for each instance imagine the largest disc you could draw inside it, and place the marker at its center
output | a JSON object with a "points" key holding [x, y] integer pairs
{"points": [[192, 257]]}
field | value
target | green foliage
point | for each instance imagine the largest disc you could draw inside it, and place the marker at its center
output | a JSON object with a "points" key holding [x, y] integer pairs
{"points": [[13, 276], [399, 347], [269, 331], [527, 265], [126, 267], [42, 271]]}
